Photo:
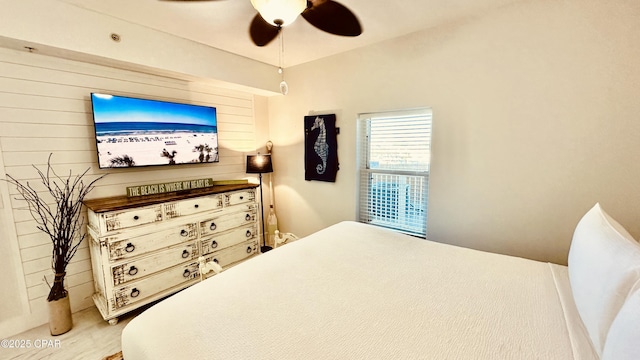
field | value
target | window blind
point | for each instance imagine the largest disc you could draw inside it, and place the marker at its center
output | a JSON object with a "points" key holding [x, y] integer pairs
{"points": [[394, 158]]}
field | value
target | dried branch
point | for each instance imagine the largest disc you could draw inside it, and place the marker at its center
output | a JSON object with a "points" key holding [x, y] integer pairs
{"points": [[64, 222]]}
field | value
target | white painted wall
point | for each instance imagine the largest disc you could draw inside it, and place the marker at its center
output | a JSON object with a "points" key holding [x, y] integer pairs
{"points": [[45, 108], [535, 118]]}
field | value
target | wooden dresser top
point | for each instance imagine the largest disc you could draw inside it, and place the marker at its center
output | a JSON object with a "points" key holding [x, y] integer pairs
{"points": [[124, 202]]}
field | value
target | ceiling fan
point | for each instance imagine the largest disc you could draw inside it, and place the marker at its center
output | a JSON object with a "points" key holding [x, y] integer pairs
{"points": [[326, 15]]}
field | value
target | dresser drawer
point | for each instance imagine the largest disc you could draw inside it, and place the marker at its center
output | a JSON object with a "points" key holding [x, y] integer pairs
{"points": [[226, 221], [142, 266], [228, 238], [234, 254], [239, 197], [116, 220], [126, 245], [139, 290], [192, 206]]}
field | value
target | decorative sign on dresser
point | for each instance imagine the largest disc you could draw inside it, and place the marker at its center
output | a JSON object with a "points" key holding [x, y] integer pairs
{"points": [[146, 248]]}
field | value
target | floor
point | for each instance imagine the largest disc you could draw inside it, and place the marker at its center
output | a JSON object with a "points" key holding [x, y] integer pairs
{"points": [[91, 338]]}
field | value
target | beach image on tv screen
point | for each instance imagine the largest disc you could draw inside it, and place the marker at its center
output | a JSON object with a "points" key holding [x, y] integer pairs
{"points": [[139, 132]]}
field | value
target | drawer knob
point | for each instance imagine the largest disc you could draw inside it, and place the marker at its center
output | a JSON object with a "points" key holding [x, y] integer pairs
{"points": [[214, 244], [241, 197], [185, 254], [249, 250], [215, 261], [213, 226], [186, 273], [133, 270], [196, 206], [248, 217], [184, 232], [130, 247], [248, 233], [135, 292], [136, 217]]}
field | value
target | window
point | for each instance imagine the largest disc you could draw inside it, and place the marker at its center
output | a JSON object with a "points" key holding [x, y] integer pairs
{"points": [[394, 157]]}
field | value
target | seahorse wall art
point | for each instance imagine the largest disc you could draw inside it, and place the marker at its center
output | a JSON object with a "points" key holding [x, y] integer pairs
{"points": [[321, 147]]}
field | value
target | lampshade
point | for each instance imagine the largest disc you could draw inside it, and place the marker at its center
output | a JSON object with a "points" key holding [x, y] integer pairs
{"points": [[259, 164], [286, 11]]}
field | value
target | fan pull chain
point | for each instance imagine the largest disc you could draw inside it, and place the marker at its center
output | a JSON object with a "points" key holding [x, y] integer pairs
{"points": [[284, 88]]}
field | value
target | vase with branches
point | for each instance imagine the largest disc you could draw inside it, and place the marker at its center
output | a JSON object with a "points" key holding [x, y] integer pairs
{"points": [[62, 220]]}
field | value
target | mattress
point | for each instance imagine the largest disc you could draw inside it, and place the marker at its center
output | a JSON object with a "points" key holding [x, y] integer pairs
{"points": [[355, 291]]}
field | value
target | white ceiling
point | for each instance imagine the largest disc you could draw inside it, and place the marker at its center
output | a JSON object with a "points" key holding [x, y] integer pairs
{"points": [[224, 24]]}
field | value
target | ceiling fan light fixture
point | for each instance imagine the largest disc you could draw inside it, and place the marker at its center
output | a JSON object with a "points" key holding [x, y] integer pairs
{"points": [[279, 12]]}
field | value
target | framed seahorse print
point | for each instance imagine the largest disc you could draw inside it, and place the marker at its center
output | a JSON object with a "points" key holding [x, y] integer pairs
{"points": [[320, 148]]}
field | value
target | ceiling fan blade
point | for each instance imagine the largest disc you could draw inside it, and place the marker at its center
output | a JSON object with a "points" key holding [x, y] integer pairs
{"points": [[332, 17], [262, 32]]}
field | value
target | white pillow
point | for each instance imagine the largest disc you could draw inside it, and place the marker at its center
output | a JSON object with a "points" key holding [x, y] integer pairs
{"points": [[604, 264], [623, 340]]}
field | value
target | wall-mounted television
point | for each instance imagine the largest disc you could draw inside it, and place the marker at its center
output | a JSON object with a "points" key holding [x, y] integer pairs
{"points": [[133, 132]]}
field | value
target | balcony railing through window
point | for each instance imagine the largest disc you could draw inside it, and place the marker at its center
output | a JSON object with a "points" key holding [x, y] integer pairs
{"points": [[396, 200]]}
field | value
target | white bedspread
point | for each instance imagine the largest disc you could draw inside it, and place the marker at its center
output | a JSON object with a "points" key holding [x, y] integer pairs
{"points": [[354, 291]]}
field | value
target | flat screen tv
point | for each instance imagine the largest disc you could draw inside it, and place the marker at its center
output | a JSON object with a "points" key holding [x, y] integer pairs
{"points": [[133, 132]]}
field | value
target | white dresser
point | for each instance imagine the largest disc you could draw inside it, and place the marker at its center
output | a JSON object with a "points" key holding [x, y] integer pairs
{"points": [[143, 249]]}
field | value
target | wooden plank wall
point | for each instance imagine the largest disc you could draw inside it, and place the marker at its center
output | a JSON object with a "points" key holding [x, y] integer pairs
{"points": [[45, 108]]}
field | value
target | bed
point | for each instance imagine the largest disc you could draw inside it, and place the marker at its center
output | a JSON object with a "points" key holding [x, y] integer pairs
{"points": [[356, 291]]}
